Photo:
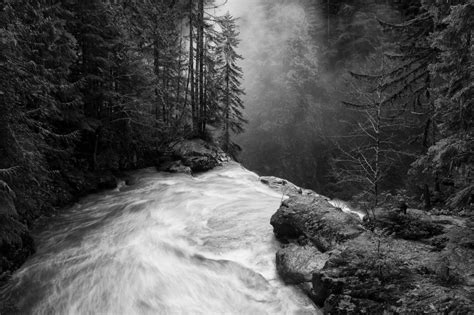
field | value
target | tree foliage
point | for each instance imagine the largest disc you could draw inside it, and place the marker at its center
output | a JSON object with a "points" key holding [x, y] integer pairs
{"points": [[231, 75], [303, 118], [103, 85]]}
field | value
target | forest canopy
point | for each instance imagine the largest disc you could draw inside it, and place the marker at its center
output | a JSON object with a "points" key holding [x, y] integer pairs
{"points": [[95, 86]]}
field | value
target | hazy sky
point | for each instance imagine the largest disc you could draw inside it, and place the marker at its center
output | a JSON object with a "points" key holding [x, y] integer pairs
{"points": [[239, 7]]}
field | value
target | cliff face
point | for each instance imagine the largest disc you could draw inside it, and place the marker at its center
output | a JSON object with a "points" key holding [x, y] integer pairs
{"points": [[398, 263]]}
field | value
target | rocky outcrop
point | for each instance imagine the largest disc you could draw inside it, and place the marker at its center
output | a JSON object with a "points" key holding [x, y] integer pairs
{"points": [[286, 187], [175, 167], [193, 155], [314, 219], [296, 264], [281, 185], [373, 275], [106, 182], [400, 263]]}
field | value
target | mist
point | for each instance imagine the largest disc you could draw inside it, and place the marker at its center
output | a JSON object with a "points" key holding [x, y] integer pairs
{"points": [[296, 57], [279, 46], [265, 36]]}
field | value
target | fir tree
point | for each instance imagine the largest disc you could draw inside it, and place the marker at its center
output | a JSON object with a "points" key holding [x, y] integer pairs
{"points": [[455, 68], [448, 161], [231, 75]]}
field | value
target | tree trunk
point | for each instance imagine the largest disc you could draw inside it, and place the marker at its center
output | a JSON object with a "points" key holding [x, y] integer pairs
{"points": [[156, 68], [201, 64], [96, 148], [191, 64], [227, 112]]}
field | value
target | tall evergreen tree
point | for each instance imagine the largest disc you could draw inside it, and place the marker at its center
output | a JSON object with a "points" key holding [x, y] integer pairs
{"points": [[231, 74], [448, 161]]}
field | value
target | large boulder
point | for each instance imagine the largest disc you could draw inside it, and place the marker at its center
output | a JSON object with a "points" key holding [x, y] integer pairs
{"points": [[198, 155], [281, 185], [106, 182], [286, 187], [373, 275], [296, 264], [175, 167], [398, 263], [313, 218]]}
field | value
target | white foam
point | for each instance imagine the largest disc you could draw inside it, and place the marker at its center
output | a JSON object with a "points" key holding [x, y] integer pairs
{"points": [[172, 244]]}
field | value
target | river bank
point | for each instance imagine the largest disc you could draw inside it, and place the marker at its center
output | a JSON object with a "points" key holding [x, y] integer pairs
{"points": [[20, 209], [398, 263]]}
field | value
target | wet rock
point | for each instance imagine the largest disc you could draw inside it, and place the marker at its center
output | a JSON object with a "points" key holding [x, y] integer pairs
{"points": [[360, 279], [200, 163], [281, 185], [316, 220], [106, 182], [286, 187], [198, 155], [296, 264], [373, 275], [175, 167], [406, 263], [130, 180]]}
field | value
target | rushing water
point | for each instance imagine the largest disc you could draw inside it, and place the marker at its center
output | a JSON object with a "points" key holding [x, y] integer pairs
{"points": [[346, 208], [170, 244]]}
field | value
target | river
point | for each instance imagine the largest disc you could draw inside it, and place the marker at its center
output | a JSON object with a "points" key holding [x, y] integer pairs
{"points": [[169, 244]]}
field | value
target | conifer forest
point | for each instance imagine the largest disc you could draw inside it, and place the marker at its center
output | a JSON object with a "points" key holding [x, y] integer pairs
{"points": [[236, 157]]}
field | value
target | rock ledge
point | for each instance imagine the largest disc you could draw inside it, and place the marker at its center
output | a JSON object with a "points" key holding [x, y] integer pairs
{"points": [[400, 263]]}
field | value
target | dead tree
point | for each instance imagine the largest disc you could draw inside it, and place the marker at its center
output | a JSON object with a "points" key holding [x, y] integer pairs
{"points": [[374, 144]]}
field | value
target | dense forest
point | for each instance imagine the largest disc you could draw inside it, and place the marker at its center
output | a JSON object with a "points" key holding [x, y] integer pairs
{"points": [[360, 100], [370, 102], [91, 88], [363, 100]]}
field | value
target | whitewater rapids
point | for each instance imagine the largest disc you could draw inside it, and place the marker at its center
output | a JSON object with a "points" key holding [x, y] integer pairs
{"points": [[170, 244]]}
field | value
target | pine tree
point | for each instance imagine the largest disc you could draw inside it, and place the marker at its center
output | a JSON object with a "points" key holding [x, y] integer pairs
{"points": [[448, 161], [212, 79], [410, 81], [38, 58], [231, 75], [455, 68]]}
